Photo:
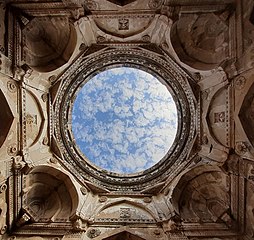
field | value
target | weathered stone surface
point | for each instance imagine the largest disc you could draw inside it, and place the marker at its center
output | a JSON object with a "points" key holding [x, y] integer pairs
{"points": [[202, 50]]}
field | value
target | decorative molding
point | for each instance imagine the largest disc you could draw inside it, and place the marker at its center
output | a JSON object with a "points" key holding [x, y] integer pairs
{"points": [[168, 72], [11, 86]]}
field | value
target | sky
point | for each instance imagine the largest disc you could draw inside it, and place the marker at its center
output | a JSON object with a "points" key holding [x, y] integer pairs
{"points": [[124, 120]]}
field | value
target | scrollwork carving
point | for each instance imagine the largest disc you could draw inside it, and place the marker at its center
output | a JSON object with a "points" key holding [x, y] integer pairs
{"points": [[154, 4], [3, 187], [11, 86], [52, 78]]}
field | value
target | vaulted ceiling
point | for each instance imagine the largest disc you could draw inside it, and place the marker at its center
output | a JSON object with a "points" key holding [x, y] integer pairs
{"points": [[202, 51]]}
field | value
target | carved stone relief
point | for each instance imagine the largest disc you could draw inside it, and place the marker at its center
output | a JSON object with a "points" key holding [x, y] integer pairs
{"points": [[219, 125], [125, 211], [216, 125], [123, 26]]}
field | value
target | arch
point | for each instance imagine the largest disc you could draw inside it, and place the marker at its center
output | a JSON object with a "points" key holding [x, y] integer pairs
{"points": [[50, 195], [49, 43], [125, 201], [202, 195], [186, 178], [200, 40]]}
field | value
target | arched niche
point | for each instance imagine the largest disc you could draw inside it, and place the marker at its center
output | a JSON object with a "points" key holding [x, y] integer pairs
{"points": [[202, 195], [48, 43], [6, 118], [246, 114], [125, 210], [49, 195], [200, 40]]}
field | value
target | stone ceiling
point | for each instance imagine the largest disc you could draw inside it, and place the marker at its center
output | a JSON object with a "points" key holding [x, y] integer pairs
{"points": [[203, 50]]}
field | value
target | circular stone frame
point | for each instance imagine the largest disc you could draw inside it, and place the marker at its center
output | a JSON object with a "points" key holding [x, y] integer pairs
{"points": [[83, 82], [165, 70]]}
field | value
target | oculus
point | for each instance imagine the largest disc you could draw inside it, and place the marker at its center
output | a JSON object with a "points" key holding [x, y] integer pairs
{"points": [[124, 120], [71, 131]]}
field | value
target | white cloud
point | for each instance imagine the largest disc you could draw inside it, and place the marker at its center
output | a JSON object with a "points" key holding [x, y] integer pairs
{"points": [[122, 120]]}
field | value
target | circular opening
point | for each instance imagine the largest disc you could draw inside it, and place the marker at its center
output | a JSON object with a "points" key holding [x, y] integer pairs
{"points": [[124, 120]]}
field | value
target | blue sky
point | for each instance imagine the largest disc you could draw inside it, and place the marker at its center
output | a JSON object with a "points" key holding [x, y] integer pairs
{"points": [[124, 120]]}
